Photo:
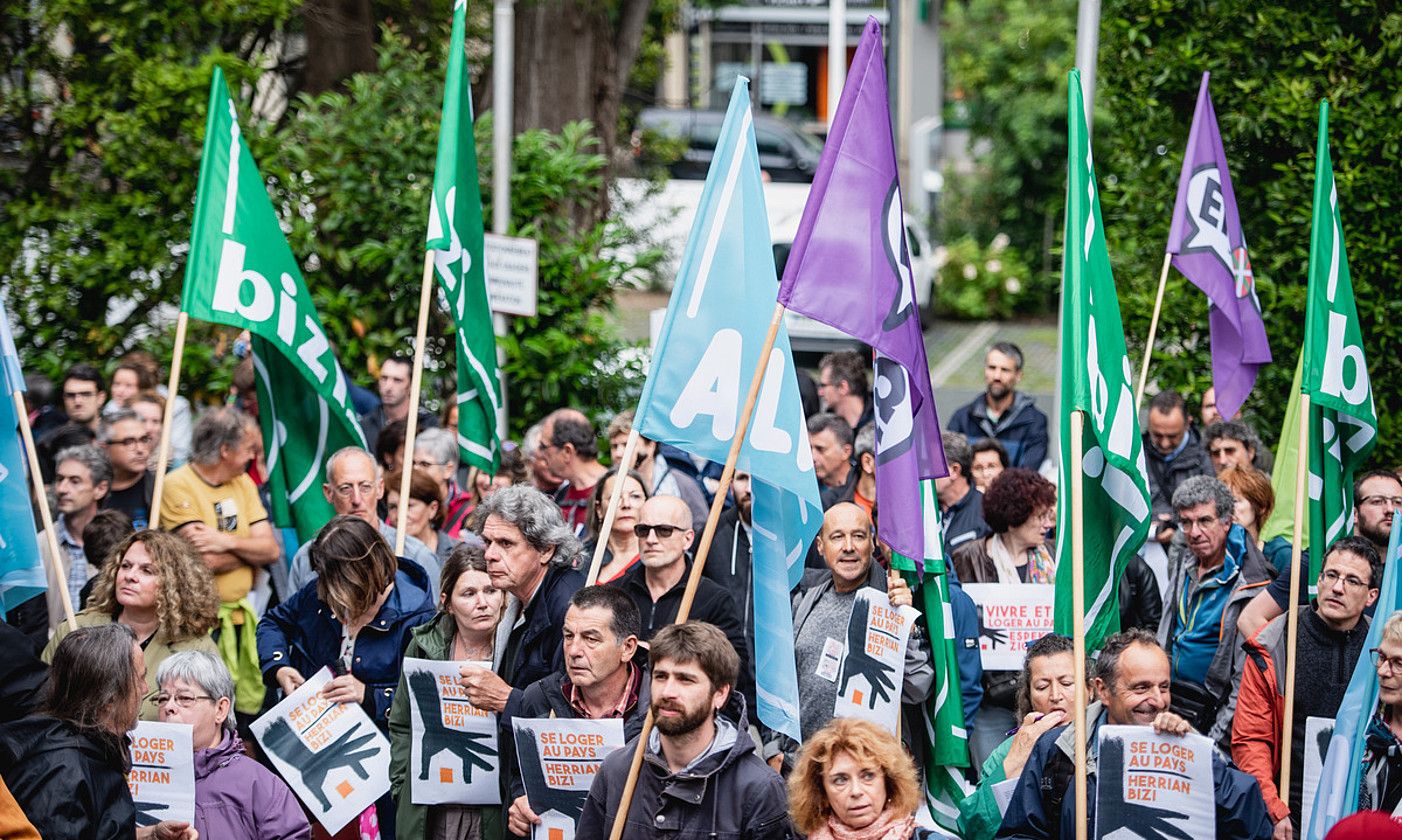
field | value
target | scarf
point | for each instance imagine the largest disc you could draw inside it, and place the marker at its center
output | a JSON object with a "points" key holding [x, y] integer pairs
{"points": [[889, 826]]}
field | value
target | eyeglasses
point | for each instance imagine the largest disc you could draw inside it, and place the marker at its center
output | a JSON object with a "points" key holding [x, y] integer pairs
{"points": [[1332, 576], [79, 395], [1393, 663], [1379, 501], [663, 531], [344, 490], [144, 440], [184, 701], [426, 465]]}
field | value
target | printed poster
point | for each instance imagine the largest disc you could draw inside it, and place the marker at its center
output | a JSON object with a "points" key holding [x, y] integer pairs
{"points": [[162, 777], [873, 662], [330, 754], [453, 759], [1318, 732], [559, 760], [1011, 616], [1153, 786]]}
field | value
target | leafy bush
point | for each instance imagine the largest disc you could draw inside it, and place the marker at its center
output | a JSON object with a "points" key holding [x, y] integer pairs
{"points": [[978, 283]]}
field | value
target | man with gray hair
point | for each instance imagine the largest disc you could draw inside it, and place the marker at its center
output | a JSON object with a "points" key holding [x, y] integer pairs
{"points": [[531, 555], [1214, 569], [123, 435], [436, 453], [1231, 443], [354, 486], [82, 478]]}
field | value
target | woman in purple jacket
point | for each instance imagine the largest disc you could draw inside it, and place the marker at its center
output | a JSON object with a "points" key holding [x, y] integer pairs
{"points": [[236, 798]]}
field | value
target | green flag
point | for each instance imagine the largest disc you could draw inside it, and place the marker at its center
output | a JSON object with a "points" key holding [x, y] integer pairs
{"points": [[1095, 380], [1281, 522], [1343, 422], [945, 741], [455, 237], [241, 272]]}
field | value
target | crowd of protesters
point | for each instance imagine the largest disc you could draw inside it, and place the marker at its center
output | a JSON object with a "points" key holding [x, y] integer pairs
{"points": [[203, 613]]}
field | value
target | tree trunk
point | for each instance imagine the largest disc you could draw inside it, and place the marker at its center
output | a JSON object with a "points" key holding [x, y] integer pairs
{"points": [[340, 41]]}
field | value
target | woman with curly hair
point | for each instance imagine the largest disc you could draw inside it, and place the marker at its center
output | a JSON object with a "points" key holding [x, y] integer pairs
{"points": [[156, 585], [1020, 506], [854, 781]]}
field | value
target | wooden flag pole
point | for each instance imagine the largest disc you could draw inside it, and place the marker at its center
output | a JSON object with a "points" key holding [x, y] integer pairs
{"points": [[1153, 331], [625, 466], [703, 549], [411, 425], [41, 496], [163, 450], [1292, 612], [1078, 611]]}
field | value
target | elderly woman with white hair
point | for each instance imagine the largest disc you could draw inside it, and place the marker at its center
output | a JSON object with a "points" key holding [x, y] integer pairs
{"points": [[236, 798]]}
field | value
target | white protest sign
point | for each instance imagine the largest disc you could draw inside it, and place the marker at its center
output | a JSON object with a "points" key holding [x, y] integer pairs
{"points": [[1153, 786], [1011, 617], [162, 777], [511, 264], [1318, 732], [454, 758], [873, 662], [330, 754], [559, 760]]}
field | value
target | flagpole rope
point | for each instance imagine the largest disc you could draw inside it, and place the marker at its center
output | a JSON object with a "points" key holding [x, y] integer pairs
{"points": [[703, 548], [625, 466], [1078, 611], [1292, 612], [411, 428], [1153, 331], [45, 516], [163, 450]]}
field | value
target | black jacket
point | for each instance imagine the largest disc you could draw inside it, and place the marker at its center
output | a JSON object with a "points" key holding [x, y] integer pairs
{"points": [[71, 784], [1140, 602], [1165, 476], [1022, 429], [23, 675], [732, 795], [731, 565], [538, 644]]}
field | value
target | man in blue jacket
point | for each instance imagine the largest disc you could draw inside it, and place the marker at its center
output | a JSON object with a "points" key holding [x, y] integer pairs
{"points": [[1132, 684], [1003, 413]]}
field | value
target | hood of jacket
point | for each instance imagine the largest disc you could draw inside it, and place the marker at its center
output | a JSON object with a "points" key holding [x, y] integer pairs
{"points": [[38, 735], [229, 748], [734, 712]]}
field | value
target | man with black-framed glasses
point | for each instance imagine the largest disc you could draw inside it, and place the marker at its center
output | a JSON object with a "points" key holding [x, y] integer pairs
{"points": [[123, 435], [657, 583], [1332, 631]]}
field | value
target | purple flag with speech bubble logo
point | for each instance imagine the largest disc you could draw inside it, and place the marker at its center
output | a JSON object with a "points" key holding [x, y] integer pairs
{"points": [[1208, 248], [850, 268]]}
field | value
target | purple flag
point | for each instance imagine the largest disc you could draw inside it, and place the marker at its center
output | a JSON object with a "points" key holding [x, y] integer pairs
{"points": [[1208, 249], [850, 268]]}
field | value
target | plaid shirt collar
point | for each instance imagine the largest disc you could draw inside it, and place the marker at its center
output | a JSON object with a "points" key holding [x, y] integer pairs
{"points": [[620, 710]]}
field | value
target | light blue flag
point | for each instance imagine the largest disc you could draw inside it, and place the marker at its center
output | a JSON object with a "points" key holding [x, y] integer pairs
{"points": [[706, 355], [1337, 794], [21, 570]]}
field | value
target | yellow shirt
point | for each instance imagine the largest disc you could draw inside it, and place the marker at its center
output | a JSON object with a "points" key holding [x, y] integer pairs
{"points": [[232, 507]]}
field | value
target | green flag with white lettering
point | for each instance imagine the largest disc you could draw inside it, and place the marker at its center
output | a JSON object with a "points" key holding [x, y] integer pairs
{"points": [[1095, 380], [1343, 422], [242, 273], [455, 235]]}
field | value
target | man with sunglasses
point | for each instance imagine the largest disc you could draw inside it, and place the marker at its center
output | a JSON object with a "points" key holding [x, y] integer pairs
{"points": [[1332, 631], [657, 583], [123, 435]]}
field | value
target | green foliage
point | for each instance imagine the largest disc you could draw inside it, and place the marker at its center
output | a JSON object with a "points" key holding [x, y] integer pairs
{"points": [[978, 283], [1270, 64], [1007, 62]]}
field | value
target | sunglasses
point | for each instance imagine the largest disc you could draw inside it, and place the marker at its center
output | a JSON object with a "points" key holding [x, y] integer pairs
{"points": [[663, 531]]}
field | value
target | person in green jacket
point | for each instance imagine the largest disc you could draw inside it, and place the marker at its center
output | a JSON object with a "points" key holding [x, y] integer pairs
{"points": [[465, 630], [1045, 693]]}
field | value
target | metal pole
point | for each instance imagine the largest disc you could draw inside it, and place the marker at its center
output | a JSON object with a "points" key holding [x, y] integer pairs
{"points": [[837, 53], [1087, 50], [503, 81]]}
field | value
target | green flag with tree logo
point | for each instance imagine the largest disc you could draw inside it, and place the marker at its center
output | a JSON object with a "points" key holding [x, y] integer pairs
{"points": [[1343, 421], [242, 273], [455, 237], [1095, 380]]}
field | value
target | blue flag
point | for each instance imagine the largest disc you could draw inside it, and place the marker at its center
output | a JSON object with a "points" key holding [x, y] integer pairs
{"points": [[1337, 794], [706, 354], [21, 570]]}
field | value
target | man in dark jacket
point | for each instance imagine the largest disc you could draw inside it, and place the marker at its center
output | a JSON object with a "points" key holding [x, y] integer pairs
{"points": [[605, 676], [700, 777], [1132, 684], [530, 554], [961, 505], [1003, 413], [1172, 454], [731, 562]]}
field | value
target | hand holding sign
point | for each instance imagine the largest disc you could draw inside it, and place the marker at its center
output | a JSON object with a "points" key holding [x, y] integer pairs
{"points": [[1153, 785], [898, 591]]}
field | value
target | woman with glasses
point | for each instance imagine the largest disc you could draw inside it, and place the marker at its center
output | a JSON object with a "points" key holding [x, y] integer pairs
{"points": [[236, 798], [425, 514], [622, 551], [156, 585], [1381, 786]]}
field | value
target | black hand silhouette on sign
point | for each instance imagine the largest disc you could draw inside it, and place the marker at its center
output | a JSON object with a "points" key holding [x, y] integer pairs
{"points": [[345, 751], [423, 687], [541, 796], [145, 812], [996, 636], [858, 663], [1146, 821]]}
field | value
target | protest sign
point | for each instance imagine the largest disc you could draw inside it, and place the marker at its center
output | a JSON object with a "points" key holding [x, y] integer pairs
{"points": [[1153, 786], [559, 759], [873, 661], [1011, 617], [330, 754], [1318, 732], [162, 777], [454, 758]]}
